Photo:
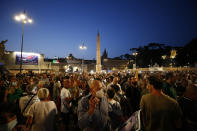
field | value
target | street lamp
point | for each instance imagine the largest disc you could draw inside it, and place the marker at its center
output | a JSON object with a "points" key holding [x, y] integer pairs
{"points": [[82, 47], [135, 54], [24, 20]]}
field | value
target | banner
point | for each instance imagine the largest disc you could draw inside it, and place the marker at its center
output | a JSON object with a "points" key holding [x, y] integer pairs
{"points": [[27, 59]]}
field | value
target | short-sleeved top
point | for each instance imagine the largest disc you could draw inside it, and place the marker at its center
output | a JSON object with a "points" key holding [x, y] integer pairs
{"points": [[43, 114], [24, 101], [169, 90], [159, 112], [65, 93], [16, 95]]}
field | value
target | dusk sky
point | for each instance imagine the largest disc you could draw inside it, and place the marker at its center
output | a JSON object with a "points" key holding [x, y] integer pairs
{"points": [[61, 26]]}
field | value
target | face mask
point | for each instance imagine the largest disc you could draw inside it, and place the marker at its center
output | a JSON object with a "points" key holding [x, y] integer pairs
{"points": [[100, 93], [9, 126], [14, 83]]}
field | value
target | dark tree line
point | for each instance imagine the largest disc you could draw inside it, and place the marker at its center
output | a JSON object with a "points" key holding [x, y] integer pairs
{"points": [[160, 54], [188, 54]]}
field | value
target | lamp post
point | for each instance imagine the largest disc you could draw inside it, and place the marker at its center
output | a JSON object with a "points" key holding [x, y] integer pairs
{"points": [[135, 54], [82, 47], [24, 20]]}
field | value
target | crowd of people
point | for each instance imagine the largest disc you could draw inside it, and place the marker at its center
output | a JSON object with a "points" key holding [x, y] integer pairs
{"points": [[98, 102]]}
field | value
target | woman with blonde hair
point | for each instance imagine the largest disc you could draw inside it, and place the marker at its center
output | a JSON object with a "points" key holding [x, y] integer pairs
{"points": [[41, 115]]}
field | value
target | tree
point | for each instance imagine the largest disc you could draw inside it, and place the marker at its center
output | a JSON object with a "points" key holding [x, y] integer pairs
{"points": [[151, 54], [188, 54], [127, 56]]}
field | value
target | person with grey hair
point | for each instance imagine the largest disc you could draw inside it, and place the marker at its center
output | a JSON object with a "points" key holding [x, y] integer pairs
{"points": [[93, 109], [41, 115]]}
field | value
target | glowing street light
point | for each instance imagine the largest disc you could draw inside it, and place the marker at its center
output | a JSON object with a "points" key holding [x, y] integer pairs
{"points": [[82, 47], [24, 20], [135, 54]]}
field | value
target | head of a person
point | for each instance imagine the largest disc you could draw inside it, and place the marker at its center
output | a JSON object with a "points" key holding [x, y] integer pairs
{"points": [[43, 94], [116, 88], [44, 76], [169, 77], [115, 80], [111, 78], [31, 81], [155, 82], [134, 83], [129, 81], [14, 82], [83, 83], [110, 93], [30, 90], [66, 82], [95, 88], [57, 79], [41, 84]]}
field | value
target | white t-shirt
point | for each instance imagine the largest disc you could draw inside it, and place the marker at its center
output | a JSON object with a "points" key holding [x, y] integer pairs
{"points": [[43, 114], [24, 100], [65, 93]]}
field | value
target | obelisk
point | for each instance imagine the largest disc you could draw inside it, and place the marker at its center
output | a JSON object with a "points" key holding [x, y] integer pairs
{"points": [[98, 55]]}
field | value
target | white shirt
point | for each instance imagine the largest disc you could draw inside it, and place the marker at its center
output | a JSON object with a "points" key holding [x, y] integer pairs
{"points": [[65, 93], [43, 114], [24, 100]]}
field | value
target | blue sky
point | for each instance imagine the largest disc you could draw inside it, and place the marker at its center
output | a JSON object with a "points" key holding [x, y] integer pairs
{"points": [[61, 26]]}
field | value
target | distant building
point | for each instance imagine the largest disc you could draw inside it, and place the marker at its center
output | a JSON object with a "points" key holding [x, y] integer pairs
{"points": [[37, 63], [113, 64], [31, 61]]}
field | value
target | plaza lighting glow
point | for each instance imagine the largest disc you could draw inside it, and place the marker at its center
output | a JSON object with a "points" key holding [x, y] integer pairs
{"points": [[65, 66], [17, 18], [82, 47], [135, 53], [30, 20], [22, 16], [91, 72], [164, 57], [75, 68], [27, 53], [173, 54]]}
